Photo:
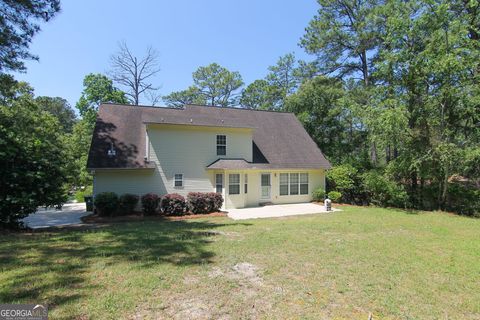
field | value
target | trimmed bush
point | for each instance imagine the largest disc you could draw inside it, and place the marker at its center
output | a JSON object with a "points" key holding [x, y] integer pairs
{"points": [[127, 203], [173, 204], [106, 203], [215, 201], [335, 196], [199, 202], [150, 203], [318, 194]]}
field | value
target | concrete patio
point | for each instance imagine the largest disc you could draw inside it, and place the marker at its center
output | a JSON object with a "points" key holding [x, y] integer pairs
{"points": [[279, 210]]}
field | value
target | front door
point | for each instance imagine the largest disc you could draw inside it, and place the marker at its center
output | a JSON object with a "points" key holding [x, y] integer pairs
{"points": [[266, 186]]}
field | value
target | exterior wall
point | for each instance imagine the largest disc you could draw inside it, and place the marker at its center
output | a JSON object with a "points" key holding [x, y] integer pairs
{"points": [[316, 179], [177, 149], [189, 150], [143, 181], [136, 182]]}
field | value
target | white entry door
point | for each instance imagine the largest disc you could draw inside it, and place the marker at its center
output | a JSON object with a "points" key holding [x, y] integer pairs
{"points": [[266, 186]]}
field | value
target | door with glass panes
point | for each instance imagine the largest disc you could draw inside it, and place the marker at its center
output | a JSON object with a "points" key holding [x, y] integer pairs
{"points": [[266, 186]]}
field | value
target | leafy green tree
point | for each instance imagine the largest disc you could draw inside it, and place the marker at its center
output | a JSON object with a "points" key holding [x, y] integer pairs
{"points": [[61, 109], [217, 85], [258, 95], [32, 160], [319, 104], [97, 89], [213, 85], [78, 145], [180, 98], [18, 24], [11, 89], [343, 37], [282, 78]]}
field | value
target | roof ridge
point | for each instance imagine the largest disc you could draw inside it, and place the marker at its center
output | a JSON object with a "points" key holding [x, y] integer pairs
{"points": [[140, 106], [236, 108], [194, 105]]}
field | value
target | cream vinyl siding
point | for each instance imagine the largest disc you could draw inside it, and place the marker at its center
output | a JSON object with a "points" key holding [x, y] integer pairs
{"points": [[177, 149], [316, 179], [136, 182], [189, 150]]}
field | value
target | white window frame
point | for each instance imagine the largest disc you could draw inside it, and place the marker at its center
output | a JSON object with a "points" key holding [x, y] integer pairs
{"points": [[245, 183], [298, 184], [219, 184], [175, 180], [221, 145], [295, 185], [230, 184], [287, 184]]}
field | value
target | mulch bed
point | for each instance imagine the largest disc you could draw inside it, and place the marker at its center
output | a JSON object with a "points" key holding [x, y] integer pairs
{"points": [[93, 218]]}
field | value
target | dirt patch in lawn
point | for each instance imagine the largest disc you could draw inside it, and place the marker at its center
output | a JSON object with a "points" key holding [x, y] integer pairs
{"points": [[234, 292], [244, 272], [93, 218]]}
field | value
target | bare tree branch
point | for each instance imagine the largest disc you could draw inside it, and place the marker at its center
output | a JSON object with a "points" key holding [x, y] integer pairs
{"points": [[133, 73]]}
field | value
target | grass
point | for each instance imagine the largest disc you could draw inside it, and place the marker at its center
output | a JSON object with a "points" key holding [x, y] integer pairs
{"points": [[345, 265]]}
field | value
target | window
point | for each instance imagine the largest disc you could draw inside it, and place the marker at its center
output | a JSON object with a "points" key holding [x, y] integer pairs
{"points": [[303, 183], [219, 183], [293, 183], [283, 184], [221, 145], [245, 184], [178, 181], [234, 183]]}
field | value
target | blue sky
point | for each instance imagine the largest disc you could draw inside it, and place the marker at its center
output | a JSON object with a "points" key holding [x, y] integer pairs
{"points": [[241, 35]]}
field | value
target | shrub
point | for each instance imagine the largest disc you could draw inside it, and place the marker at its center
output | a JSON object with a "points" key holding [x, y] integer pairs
{"points": [[80, 194], [150, 203], [106, 203], [127, 203], [214, 201], [335, 196], [348, 181], [199, 202], [318, 194], [382, 191], [173, 204], [463, 200]]}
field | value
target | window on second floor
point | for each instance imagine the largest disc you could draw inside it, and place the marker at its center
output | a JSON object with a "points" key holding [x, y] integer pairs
{"points": [[178, 181], [221, 145]]}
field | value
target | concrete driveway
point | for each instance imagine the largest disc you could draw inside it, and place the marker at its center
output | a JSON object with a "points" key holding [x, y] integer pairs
{"points": [[69, 215], [279, 210]]}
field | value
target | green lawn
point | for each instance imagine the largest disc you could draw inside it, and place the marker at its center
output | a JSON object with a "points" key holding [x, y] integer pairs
{"points": [[344, 265]]}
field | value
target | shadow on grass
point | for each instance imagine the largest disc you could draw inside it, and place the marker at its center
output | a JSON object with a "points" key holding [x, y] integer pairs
{"points": [[51, 266]]}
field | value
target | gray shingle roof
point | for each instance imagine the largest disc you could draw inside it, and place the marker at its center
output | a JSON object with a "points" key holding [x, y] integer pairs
{"points": [[279, 139]]}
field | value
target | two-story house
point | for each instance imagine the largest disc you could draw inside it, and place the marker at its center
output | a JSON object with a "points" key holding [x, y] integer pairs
{"points": [[251, 157]]}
